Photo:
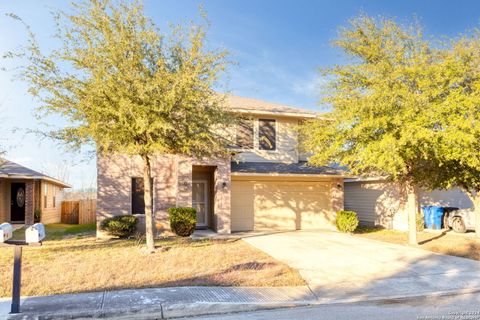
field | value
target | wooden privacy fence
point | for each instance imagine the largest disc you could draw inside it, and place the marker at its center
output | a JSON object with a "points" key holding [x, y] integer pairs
{"points": [[79, 211]]}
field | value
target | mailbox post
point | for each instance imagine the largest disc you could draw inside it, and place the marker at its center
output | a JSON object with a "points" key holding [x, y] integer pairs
{"points": [[17, 245]]}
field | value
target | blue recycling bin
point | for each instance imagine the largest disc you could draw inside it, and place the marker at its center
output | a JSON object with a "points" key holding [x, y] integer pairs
{"points": [[427, 216], [436, 216]]}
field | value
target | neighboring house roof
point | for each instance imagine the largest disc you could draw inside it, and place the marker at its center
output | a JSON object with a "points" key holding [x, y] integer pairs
{"points": [[9, 169], [300, 168], [254, 106]]}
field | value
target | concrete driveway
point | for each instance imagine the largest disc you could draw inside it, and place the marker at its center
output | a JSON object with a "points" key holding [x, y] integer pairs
{"points": [[343, 267]]}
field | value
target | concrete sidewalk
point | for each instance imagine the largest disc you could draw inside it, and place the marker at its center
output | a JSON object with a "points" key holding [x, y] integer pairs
{"points": [[161, 303], [167, 303]]}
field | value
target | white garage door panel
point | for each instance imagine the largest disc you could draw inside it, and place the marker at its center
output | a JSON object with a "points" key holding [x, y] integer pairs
{"points": [[281, 205]]}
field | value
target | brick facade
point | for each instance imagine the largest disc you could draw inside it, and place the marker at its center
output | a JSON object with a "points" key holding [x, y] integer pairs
{"points": [[172, 185], [34, 199], [29, 201]]}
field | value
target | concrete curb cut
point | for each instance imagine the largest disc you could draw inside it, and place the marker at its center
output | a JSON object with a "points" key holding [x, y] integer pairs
{"points": [[169, 310]]}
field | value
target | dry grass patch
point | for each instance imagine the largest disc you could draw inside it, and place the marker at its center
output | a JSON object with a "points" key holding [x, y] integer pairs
{"points": [[445, 243], [87, 264]]}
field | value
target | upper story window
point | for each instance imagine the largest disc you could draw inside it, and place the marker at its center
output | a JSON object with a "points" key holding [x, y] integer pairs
{"points": [[267, 134], [244, 134]]}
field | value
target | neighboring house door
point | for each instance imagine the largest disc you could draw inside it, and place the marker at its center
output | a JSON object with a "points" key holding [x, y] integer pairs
{"points": [[17, 203], [200, 201]]}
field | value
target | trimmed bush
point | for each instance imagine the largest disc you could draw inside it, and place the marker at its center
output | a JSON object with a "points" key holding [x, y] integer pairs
{"points": [[182, 221], [37, 215], [420, 222], [120, 226], [347, 221]]}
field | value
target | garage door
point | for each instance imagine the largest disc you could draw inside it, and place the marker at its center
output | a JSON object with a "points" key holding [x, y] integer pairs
{"points": [[280, 205], [362, 197]]}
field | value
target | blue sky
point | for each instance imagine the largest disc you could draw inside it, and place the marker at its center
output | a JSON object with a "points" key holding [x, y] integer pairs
{"points": [[278, 45]]}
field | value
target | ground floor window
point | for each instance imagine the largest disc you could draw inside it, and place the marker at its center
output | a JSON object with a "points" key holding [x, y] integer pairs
{"points": [[138, 196]]}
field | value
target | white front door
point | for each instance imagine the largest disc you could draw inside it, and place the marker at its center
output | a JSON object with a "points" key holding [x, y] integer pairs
{"points": [[200, 201]]}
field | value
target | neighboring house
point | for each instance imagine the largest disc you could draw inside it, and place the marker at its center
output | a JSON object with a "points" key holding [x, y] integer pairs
{"points": [[22, 191], [265, 185], [378, 202]]}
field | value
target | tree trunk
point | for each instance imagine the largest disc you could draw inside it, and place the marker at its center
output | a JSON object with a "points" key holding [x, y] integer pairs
{"points": [[476, 204], [475, 198], [148, 196], [412, 208]]}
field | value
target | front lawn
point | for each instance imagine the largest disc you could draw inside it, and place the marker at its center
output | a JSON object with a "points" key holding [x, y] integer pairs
{"points": [[446, 242], [72, 260], [60, 231]]}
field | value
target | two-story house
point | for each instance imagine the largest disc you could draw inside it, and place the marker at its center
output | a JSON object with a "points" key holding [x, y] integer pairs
{"points": [[265, 185]]}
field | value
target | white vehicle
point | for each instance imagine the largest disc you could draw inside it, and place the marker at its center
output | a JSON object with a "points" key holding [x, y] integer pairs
{"points": [[460, 220]]}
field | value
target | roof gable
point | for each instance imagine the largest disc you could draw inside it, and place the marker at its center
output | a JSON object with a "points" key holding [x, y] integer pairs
{"points": [[254, 106], [10, 169]]}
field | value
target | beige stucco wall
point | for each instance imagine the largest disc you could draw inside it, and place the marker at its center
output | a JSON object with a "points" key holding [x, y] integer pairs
{"points": [[285, 203], [286, 142], [172, 186]]}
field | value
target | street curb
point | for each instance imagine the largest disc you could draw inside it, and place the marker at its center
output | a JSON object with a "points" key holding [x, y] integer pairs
{"points": [[173, 310], [398, 298], [164, 311]]}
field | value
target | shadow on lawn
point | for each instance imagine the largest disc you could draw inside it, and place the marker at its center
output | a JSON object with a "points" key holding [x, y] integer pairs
{"points": [[434, 237], [69, 245]]}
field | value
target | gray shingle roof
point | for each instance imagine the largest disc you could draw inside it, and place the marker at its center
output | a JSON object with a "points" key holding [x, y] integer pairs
{"points": [[9, 169], [249, 105], [283, 168]]}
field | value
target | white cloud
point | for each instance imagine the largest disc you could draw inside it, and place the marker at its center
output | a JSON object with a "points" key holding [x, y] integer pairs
{"points": [[310, 87]]}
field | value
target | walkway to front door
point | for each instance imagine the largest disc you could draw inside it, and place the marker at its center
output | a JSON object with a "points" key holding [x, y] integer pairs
{"points": [[337, 266]]}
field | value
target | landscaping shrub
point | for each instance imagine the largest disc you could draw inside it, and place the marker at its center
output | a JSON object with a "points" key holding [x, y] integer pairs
{"points": [[420, 222], [120, 226], [182, 221], [347, 221], [37, 215]]}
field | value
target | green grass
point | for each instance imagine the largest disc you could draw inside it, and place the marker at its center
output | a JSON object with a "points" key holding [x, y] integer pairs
{"points": [[59, 231]]}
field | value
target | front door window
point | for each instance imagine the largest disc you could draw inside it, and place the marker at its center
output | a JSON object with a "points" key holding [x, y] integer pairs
{"points": [[200, 202]]}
